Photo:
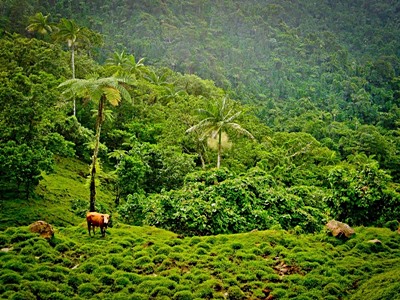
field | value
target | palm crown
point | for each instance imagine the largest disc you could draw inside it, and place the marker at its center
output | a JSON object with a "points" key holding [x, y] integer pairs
{"points": [[217, 118]]}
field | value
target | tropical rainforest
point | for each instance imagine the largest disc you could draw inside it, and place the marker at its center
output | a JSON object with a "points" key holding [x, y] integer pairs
{"points": [[220, 135]]}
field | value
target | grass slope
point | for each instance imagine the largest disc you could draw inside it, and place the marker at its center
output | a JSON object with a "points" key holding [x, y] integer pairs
{"points": [[56, 194], [150, 263]]}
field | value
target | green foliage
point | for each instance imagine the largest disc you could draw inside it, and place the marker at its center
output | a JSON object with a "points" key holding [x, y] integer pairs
{"points": [[231, 205], [381, 286], [131, 211], [22, 167], [360, 194], [332, 107], [150, 168]]}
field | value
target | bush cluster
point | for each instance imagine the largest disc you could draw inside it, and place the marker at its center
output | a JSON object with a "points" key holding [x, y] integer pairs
{"points": [[162, 265]]}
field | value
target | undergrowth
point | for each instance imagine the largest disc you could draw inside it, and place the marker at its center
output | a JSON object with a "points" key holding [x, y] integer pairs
{"points": [[150, 263]]}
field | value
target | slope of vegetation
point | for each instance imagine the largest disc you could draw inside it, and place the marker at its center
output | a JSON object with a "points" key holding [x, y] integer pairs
{"points": [[294, 122], [60, 198], [149, 263], [316, 168]]}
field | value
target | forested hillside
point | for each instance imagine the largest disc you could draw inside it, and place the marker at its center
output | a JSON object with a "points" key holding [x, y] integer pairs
{"points": [[220, 135], [319, 131]]}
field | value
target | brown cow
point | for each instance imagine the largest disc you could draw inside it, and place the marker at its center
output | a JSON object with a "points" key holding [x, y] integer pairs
{"points": [[95, 219]]}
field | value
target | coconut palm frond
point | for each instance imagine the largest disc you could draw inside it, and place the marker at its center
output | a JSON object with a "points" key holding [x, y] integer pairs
{"points": [[240, 129], [233, 117], [217, 118]]}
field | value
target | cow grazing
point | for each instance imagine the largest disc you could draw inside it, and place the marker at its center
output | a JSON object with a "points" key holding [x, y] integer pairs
{"points": [[95, 219]]}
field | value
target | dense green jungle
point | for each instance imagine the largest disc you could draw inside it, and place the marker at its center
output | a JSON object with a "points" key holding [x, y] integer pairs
{"points": [[221, 136]]}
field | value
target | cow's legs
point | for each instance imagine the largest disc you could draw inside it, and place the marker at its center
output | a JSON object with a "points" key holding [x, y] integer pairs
{"points": [[88, 226]]}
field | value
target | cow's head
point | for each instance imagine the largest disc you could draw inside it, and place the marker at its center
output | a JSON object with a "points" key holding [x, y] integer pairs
{"points": [[106, 219]]}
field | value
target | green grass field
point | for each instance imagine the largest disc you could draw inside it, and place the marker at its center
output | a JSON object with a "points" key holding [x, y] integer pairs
{"points": [[150, 263]]}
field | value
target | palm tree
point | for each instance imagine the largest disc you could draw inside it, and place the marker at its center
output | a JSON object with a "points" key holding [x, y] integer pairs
{"points": [[217, 118], [122, 63], [40, 23], [102, 91], [70, 32]]}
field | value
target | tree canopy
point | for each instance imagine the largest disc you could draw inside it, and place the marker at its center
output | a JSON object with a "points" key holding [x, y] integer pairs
{"points": [[318, 92]]}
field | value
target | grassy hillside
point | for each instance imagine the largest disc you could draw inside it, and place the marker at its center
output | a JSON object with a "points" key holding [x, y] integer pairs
{"points": [[149, 263], [60, 197]]}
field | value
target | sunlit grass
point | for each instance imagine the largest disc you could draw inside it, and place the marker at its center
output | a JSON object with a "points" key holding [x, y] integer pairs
{"points": [[54, 197]]}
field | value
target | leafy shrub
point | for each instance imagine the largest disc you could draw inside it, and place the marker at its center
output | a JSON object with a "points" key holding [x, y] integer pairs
{"points": [[233, 205], [158, 259], [235, 293], [87, 289], [131, 211], [183, 295], [161, 291], [10, 277], [41, 288], [4, 240], [58, 296], [21, 236], [16, 265], [360, 194], [64, 247]]}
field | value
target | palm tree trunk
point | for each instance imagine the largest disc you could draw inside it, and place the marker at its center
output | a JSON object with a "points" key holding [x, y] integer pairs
{"points": [[99, 121], [219, 149], [73, 71]]}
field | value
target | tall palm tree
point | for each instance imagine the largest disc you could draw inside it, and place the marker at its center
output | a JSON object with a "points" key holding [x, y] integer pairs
{"points": [[122, 63], [40, 24], [102, 91], [70, 32], [217, 118]]}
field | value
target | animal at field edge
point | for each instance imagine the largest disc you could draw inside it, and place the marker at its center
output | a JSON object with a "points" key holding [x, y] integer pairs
{"points": [[95, 219]]}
